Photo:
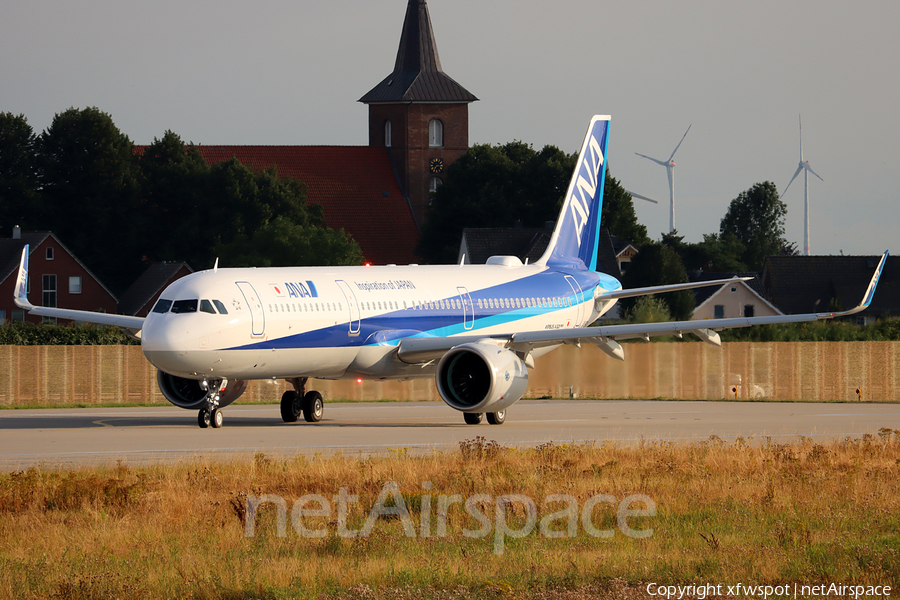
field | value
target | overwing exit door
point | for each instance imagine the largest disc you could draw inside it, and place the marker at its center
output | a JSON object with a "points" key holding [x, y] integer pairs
{"points": [[579, 299], [468, 308]]}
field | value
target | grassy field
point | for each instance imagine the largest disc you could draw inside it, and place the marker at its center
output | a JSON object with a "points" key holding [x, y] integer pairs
{"points": [[749, 513]]}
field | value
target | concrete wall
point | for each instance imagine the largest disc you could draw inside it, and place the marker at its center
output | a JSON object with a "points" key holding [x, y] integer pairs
{"points": [[786, 371]]}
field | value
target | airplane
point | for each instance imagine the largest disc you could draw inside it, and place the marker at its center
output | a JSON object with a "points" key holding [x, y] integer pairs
{"points": [[475, 329]]}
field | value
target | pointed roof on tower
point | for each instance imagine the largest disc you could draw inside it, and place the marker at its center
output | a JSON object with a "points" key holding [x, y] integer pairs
{"points": [[417, 75]]}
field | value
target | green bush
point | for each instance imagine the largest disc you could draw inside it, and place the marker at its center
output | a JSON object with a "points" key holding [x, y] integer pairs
{"points": [[29, 334], [882, 330]]}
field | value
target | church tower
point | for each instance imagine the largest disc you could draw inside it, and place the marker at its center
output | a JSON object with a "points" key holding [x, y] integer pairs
{"points": [[418, 112]]}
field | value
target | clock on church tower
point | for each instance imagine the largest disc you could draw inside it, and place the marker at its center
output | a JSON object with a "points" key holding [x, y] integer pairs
{"points": [[418, 111]]}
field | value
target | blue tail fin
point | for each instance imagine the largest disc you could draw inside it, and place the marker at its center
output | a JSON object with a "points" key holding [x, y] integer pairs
{"points": [[577, 234]]}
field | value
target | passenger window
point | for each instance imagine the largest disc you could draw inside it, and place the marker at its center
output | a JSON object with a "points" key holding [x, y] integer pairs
{"points": [[184, 306], [220, 307], [207, 307], [162, 306]]}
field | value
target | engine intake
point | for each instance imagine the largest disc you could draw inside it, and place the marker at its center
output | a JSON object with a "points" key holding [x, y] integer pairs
{"points": [[187, 393], [480, 377]]}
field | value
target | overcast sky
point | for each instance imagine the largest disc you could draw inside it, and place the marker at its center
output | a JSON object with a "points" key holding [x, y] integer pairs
{"points": [[291, 72]]}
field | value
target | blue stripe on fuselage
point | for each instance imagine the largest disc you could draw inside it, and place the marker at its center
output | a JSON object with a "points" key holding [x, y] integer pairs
{"points": [[446, 322]]}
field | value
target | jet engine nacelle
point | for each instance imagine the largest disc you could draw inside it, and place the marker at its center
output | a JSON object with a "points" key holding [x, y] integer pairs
{"points": [[187, 393], [481, 377]]}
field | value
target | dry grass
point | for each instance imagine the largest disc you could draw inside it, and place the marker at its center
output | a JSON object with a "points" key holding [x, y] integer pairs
{"points": [[726, 513]]}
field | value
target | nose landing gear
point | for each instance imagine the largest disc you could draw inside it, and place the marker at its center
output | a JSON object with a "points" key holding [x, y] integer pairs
{"points": [[212, 414]]}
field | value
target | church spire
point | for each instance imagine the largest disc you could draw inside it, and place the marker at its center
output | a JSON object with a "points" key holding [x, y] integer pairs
{"points": [[418, 51], [417, 75]]}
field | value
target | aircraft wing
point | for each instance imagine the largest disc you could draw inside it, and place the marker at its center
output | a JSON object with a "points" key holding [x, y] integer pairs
{"points": [[415, 350], [132, 324]]}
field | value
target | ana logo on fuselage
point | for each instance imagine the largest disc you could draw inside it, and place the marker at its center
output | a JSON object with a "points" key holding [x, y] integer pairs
{"points": [[586, 185], [298, 290]]}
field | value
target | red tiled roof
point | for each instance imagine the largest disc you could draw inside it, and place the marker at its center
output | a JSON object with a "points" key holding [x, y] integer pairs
{"points": [[355, 185]]}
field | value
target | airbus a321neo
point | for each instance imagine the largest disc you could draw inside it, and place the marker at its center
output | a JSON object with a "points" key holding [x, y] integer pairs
{"points": [[476, 329]]}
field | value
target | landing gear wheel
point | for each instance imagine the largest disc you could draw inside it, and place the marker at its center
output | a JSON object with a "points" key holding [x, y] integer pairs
{"points": [[313, 407], [472, 418], [290, 406], [496, 418], [203, 418], [216, 418]]}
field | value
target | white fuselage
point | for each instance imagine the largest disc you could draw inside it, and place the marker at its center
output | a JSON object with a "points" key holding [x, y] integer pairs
{"points": [[346, 322]]}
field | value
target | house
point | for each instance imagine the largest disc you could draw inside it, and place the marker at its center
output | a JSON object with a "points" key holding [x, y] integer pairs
{"points": [[733, 300], [624, 252], [55, 277], [140, 298], [803, 284], [418, 125]]}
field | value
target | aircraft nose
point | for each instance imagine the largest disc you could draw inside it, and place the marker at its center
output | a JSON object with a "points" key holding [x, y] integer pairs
{"points": [[170, 346], [161, 333]]}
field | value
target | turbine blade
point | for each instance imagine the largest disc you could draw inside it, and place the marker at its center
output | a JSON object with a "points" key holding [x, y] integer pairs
{"points": [[809, 168], [656, 160], [797, 172], [679, 143], [633, 195]]}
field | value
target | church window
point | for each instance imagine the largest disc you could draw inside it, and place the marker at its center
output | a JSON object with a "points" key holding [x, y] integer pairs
{"points": [[435, 133], [387, 134]]}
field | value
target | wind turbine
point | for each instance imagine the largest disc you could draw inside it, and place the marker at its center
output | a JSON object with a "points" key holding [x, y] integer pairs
{"points": [[670, 173], [804, 166], [633, 195]]}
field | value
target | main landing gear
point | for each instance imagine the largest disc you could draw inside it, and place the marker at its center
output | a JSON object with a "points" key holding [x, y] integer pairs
{"points": [[212, 414], [494, 418], [298, 400]]}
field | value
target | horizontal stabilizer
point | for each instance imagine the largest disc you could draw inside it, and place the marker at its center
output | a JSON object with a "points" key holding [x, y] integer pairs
{"points": [[660, 289]]}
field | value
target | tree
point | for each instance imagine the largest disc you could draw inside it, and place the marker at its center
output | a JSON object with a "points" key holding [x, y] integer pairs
{"points": [[282, 243], [18, 172], [648, 309], [199, 212], [714, 253], [89, 192], [618, 214], [495, 186], [657, 264], [756, 219]]}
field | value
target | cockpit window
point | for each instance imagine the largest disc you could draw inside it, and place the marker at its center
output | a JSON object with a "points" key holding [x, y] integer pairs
{"points": [[207, 307], [162, 306], [221, 307], [184, 306]]}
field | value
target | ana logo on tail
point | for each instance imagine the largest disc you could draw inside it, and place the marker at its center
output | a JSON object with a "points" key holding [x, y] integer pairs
{"points": [[582, 196], [574, 241]]}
